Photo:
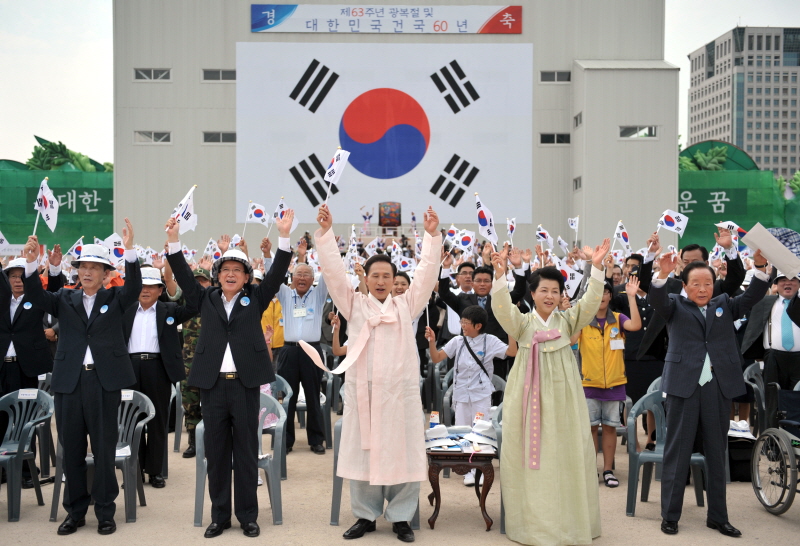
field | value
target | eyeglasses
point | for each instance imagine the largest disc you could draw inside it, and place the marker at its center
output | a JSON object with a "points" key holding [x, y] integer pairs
{"points": [[225, 271], [466, 323], [12, 277], [303, 275]]}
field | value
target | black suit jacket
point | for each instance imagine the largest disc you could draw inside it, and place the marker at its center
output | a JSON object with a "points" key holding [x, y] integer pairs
{"points": [[655, 340], [753, 343], [100, 331], [169, 340], [692, 336], [242, 330], [461, 301], [26, 329]]}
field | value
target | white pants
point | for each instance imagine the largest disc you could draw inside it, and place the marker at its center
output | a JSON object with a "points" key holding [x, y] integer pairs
{"points": [[367, 500], [465, 411]]}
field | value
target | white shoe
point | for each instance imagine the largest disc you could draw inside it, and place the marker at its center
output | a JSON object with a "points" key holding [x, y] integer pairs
{"points": [[469, 479], [260, 481]]}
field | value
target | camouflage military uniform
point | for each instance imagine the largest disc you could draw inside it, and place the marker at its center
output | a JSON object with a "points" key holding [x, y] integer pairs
{"points": [[190, 396]]}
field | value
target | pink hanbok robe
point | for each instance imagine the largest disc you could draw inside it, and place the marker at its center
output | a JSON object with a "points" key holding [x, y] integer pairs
{"points": [[383, 439]]}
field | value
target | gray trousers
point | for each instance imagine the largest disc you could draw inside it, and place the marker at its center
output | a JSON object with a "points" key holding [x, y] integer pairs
{"points": [[367, 500], [706, 411]]}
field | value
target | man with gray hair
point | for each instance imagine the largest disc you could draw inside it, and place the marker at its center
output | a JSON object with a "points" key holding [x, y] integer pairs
{"points": [[302, 305]]}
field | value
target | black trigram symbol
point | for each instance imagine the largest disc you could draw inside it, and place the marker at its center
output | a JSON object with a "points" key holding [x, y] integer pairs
{"points": [[321, 76], [314, 172], [454, 86], [456, 169]]}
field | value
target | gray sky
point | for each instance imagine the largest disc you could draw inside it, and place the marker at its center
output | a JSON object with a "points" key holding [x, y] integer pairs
{"points": [[56, 64]]}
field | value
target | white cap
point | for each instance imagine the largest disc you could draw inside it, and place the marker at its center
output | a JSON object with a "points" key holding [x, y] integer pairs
{"points": [[258, 274], [437, 436], [94, 253], [482, 433], [781, 274], [237, 256], [151, 276], [17, 262]]}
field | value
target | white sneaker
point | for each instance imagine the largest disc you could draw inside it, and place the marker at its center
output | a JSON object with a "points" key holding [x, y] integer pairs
{"points": [[469, 479], [260, 481]]}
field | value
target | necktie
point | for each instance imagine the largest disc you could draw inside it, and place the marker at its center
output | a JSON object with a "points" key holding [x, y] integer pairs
{"points": [[482, 303], [705, 374], [787, 336]]}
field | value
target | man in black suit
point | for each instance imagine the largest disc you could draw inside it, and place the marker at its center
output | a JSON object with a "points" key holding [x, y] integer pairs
{"points": [[702, 373], [654, 342], [773, 334], [23, 345], [231, 362], [151, 331], [90, 369]]}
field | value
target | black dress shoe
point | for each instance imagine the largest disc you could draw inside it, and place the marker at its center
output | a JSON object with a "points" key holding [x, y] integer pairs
{"points": [[403, 531], [190, 452], [215, 529], [106, 527], [725, 528], [288, 449], [70, 526], [358, 530], [158, 481], [318, 449], [669, 527], [251, 529], [27, 483]]}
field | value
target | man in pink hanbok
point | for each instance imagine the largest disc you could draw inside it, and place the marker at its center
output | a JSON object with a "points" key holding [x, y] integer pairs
{"points": [[382, 449]]}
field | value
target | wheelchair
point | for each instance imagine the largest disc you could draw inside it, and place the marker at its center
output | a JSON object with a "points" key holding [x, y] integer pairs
{"points": [[777, 450]]}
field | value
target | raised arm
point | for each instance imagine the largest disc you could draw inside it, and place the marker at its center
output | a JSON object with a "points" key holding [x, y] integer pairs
{"points": [[339, 287], [635, 322], [273, 280], [759, 285], [419, 293], [585, 309], [658, 297], [34, 291], [507, 314], [192, 290]]}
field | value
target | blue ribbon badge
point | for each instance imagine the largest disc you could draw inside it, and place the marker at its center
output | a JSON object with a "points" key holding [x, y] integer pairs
{"points": [[614, 331], [104, 308], [719, 312], [170, 321], [27, 305], [245, 301]]}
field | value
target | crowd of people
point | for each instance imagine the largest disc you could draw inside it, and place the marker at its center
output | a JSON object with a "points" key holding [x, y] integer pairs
{"points": [[224, 328]]}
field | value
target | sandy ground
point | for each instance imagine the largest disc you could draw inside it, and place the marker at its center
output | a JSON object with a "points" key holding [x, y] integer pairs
{"points": [[167, 518]]}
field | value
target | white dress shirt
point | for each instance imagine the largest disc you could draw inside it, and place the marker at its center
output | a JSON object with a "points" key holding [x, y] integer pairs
{"points": [[14, 305], [144, 334], [228, 366], [774, 339]]}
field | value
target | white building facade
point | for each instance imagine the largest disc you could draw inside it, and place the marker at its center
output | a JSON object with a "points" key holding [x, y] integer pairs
{"points": [[605, 112], [744, 90]]}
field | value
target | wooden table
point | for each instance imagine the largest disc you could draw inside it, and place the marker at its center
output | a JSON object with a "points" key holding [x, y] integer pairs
{"points": [[460, 464]]}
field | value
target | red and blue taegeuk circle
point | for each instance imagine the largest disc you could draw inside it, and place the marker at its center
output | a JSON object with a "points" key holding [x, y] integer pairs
{"points": [[624, 236], [386, 132], [258, 213], [466, 240], [669, 221], [119, 252], [482, 220]]}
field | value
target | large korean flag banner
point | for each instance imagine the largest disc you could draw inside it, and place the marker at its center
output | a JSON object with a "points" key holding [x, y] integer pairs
{"points": [[425, 124]]}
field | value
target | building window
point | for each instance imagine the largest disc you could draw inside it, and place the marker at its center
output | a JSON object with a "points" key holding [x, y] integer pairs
{"points": [[577, 183], [750, 42], [759, 42], [152, 74], [216, 137], [152, 137], [551, 138], [578, 119], [555, 77], [219, 75], [648, 131]]}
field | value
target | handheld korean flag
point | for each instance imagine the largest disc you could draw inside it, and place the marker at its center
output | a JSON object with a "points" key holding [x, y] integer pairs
{"points": [[114, 243], [397, 253], [75, 250], [406, 264], [452, 233], [485, 222], [673, 221], [564, 245], [46, 206], [572, 279], [280, 210], [417, 246], [736, 232], [622, 236], [212, 250], [573, 225], [511, 227], [466, 242], [334, 170], [371, 248], [256, 214], [98, 241], [184, 213], [542, 236]]}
